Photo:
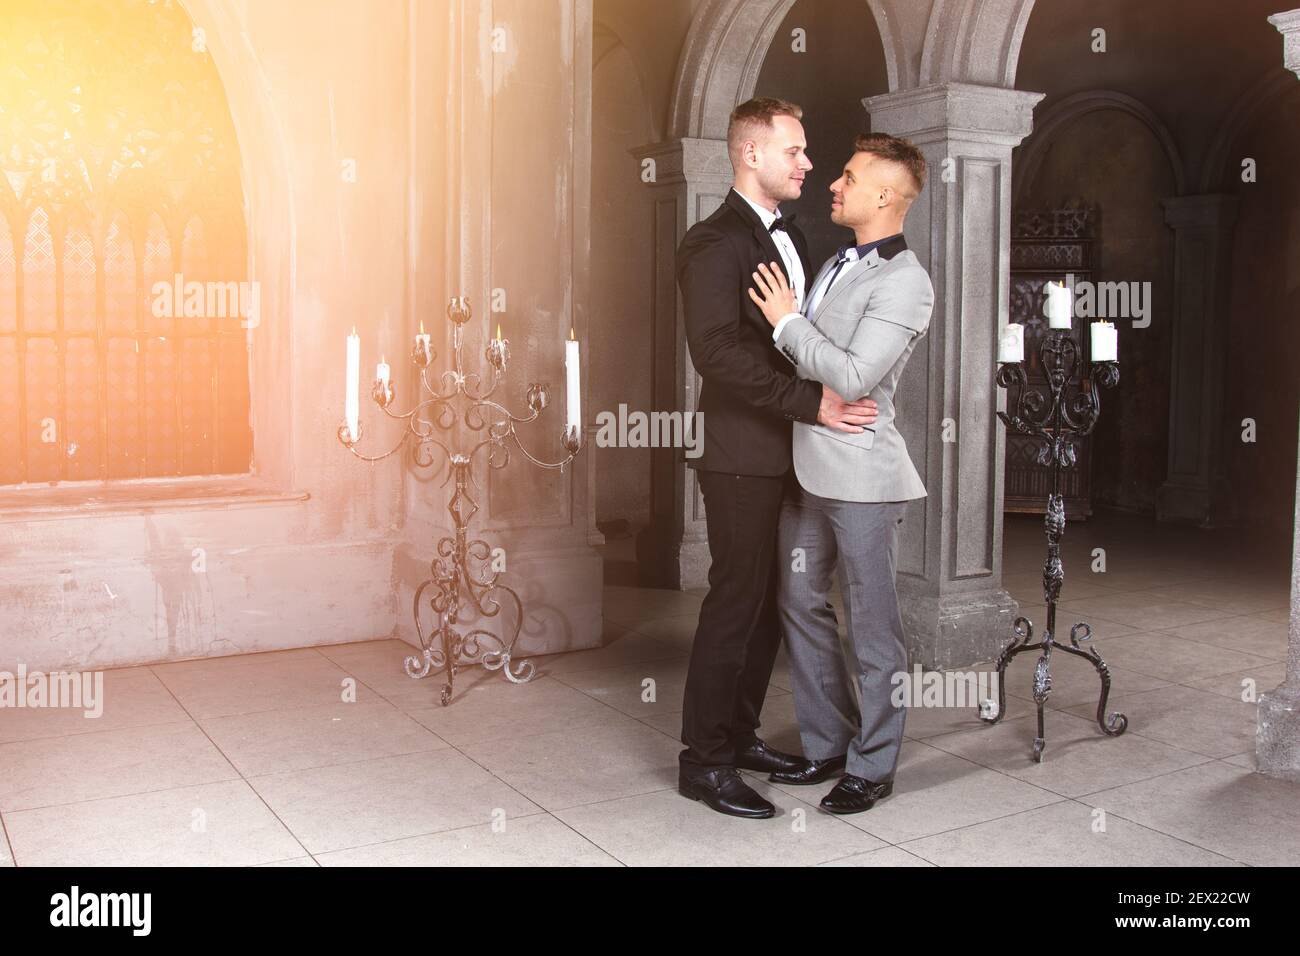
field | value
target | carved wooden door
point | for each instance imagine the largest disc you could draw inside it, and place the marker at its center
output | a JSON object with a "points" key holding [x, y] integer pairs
{"points": [[1047, 245]]}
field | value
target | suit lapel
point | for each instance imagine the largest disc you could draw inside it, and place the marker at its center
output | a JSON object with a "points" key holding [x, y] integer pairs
{"points": [[859, 270], [856, 272], [770, 251], [761, 235]]}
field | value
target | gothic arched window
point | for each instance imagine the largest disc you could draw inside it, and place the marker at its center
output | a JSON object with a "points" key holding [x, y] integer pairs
{"points": [[125, 306]]}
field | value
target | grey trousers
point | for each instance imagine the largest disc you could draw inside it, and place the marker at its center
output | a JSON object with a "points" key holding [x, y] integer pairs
{"points": [[842, 699]]}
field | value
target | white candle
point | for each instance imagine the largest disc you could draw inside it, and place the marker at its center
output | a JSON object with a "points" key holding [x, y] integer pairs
{"points": [[382, 371], [1105, 342], [1011, 344], [573, 416], [422, 341], [352, 393], [1058, 306]]}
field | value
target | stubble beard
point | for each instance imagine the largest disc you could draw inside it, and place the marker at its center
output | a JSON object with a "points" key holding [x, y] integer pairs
{"points": [[784, 189]]}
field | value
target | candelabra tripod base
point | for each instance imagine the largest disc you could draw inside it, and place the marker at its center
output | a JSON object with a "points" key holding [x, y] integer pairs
{"points": [[1112, 725], [465, 650]]}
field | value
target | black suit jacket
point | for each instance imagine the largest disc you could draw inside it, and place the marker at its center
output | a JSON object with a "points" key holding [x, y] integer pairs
{"points": [[750, 394]]}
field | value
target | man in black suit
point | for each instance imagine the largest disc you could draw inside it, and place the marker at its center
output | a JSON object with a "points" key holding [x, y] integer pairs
{"points": [[748, 401]]}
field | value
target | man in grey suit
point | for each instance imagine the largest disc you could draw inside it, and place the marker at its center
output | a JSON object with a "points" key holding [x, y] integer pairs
{"points": [[866, 311]]}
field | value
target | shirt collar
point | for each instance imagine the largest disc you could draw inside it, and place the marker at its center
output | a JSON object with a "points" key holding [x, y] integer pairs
{"points": [[864, 250], [765, 216]]}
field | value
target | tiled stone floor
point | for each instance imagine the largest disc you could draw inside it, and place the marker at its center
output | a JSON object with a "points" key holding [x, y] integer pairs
{"points": [[256, 760]]}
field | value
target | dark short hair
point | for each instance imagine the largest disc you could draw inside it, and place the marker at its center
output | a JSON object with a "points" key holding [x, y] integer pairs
{"points": [[752, 115], [896, 150]]}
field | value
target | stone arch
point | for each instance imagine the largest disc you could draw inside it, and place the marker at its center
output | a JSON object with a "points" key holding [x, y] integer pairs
{"points": [[984, 48], [724, 53], [1062, 113], [607, 37], [962, 104], [1239, 117], [272, 236]]}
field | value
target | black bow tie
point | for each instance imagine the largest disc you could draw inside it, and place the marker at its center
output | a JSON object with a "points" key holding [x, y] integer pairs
{"points": [[781, 222]]}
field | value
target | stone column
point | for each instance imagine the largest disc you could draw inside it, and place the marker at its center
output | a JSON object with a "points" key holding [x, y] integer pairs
{"points": [[950, 557], [1195, 485], [1277, 742], [689, 179]]}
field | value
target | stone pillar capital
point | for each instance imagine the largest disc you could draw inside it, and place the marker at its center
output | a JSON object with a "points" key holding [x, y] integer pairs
{"points": [[688, 160], [1288, 24], [989, 114]]}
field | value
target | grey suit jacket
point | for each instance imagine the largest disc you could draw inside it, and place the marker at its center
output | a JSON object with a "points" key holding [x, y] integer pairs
{"points": [[857, 343]]}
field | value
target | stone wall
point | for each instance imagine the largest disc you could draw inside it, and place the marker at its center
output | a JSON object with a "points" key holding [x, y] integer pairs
{"points": [[379, 182]]}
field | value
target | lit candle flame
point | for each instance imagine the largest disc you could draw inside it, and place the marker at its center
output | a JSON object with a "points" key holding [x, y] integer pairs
{"points": [[422, 326], [498, 331], [571, 335]]}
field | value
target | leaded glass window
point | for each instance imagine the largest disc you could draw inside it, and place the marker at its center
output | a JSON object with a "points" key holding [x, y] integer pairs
{"points": [[120, 187]]}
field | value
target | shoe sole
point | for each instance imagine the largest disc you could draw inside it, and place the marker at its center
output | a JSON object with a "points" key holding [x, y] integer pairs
{"points": [[806, 783], [762, 815], [845, 811]]}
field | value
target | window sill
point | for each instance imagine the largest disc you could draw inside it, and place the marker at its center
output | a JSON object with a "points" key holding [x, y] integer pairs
{"points": [[139, 496]]}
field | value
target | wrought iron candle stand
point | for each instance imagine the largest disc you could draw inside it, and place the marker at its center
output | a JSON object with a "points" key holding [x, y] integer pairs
{"points": [[1057, 420], [454, 588]]}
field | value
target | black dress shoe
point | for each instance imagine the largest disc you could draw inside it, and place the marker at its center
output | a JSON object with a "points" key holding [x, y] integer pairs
{"points": [[855, 794], [759, 756], [724, 791], [812, 771]]}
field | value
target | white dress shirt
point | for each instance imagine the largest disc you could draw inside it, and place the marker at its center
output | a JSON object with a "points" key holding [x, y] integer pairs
{"points": [[850, 256], [793, 264]]}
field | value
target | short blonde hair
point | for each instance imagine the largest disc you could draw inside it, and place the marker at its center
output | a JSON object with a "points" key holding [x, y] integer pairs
{"points": [[754, 116], [896, 150]]}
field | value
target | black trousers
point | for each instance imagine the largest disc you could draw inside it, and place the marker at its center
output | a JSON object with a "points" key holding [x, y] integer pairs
{"points": [[739, 632]]}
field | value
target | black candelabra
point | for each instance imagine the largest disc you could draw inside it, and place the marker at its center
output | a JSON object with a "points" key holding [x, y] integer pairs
{"points": [[463, 580], [1057, 413]]}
